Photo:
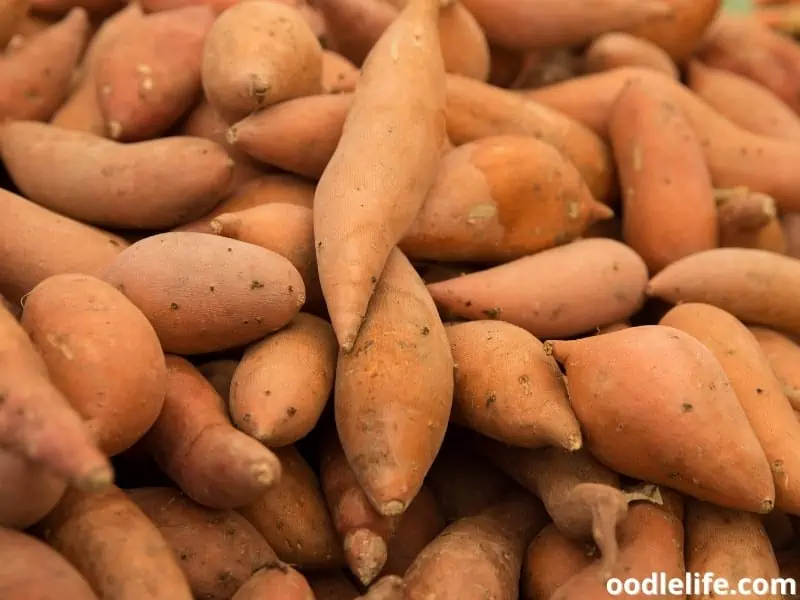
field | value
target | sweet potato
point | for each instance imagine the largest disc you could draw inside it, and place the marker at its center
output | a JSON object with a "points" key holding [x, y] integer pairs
{"points": [[419, 526], [550, 561], [193, 442], [58, 8], [283, 382], [36, 78], [668, 199], [364, 532], [655, 404], [115, 546], [32, 570], [11, 14], [390, 587], [102, 182], [338, 73], [557, 293], [298, 136], [500, 198], [731, 544], [759, 392], [102, 353], [744, 102], [749, 220], [619, 49], [476, 109], [651, 541], [366, 198], [27, 492], [258, 54], [218, 550], [783, 355], [790, 223], [724, 277], [233, 294], [219, 373], [579, 494], [552, 23], [36, 420], [507, 388], [465, 50], [71, 247], [275, 581], [402, 356], [618, 326], [149, 75], [293, 517], [485, 551], [332, 586]]}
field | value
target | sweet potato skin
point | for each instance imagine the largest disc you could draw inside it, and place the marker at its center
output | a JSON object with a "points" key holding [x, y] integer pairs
{"points": [[782, 354], [275, 581], [618, 49], [338, 73], [11, 14], [27, 493], [551, 560]]}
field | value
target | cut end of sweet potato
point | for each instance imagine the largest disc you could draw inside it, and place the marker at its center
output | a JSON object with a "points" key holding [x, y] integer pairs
{"points": [[268, 471], [767, 505], [392, 508], [96, 480], [366, 554], [573, 442]]}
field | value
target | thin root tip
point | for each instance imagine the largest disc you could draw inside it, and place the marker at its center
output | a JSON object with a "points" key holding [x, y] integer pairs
{"points": [[392, 508], [366, 554], [95, 480]]}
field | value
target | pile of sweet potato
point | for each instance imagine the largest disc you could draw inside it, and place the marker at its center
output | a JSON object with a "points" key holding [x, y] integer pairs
{"points": [[396, 299]]}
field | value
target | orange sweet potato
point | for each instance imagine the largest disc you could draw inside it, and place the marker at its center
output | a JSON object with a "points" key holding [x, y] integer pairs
{"points": [[749, 220], [32, 570], [465, 50], [12, 13], [293, 517], [485, 551], [390, 587], [744, 102], [550, 561], [366, 198], [338, 73], [729, 543], [619, 49], [149, 75], [36, 78], [552, 23], [236, 294], [36, 420], [244, 70], [332, 586], [193, 442], [790, 223], [557, 293], [668, 199], [759, 391], [103, 534], [219, 373], [364, 532], [218, 550], [783, 355], [102, 353], [71, 247], [724, 278], [283, 382], [153, 184], [611, 328], [500, 198], [402, 356], [507, 388], [275, 581], [27, 493], [655, 404]]}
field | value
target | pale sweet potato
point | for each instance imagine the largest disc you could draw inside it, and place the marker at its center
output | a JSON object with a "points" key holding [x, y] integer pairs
{"points": [[28, 491], [619, 49], [783, 355], [550, 561]]}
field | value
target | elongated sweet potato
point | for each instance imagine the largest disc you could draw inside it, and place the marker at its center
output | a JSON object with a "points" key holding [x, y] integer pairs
{"points": [[218, 550], [389, 445], [729, 543], [71, 247], [11, 14], [618, 49], [668, 199], [36, 78], [332, 586], [500, 198], [102, 353], [31, 569], [149, 75], [550, 561], [723, 278], [338, 73], [557, 293], [744, 102], [36, 420], [485, 550], [364, 532], [283, 382], [293, 517], [783, 356], [366, 199], [759, 392], [552, 23], [507, 388], [103, 535], [275, 581], [193, 442], [655, 404], [237, 292], [465, 50], [245, 70], [418, 527], [27, 492]]}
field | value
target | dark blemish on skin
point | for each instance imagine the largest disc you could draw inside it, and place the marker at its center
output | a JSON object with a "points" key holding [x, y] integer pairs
{"points": [[247, 417], [173, 306], [686, 407], [2, 399], [490, 401], [259, 320], [373, 279], [230, 249], [291, 289], [245, 322], [114, 243], [492, 313], [267, 392], [673, 475], [759, 391], [468, 303], [211, 288], [224, 576], [319, 245], [291, 411], [426, 330], [256, 284], [183, 555]]}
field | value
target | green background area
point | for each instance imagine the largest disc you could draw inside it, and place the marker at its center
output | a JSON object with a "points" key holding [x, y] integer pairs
{"points": [[738, 5]]}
